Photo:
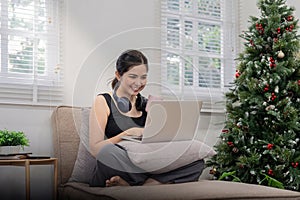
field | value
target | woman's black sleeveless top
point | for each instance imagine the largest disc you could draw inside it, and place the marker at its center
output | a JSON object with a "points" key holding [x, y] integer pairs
{"points": [[117, 122]]}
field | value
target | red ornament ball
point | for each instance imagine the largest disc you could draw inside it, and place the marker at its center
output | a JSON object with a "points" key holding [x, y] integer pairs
{"points": [[270, 146], [270, 172], [278, 30], [237, 74], [295, 165], [290, 18], [266, 88], [230, 144]]}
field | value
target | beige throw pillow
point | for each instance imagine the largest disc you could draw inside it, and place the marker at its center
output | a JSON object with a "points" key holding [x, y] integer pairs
{"points": [[85, 162], [165, 156]]}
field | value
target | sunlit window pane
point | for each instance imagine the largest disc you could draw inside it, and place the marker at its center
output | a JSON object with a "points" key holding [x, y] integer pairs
{"points": [[20, 55], [188, 71], [21, 15], [209, 72], [209, 38], [173, 62]]}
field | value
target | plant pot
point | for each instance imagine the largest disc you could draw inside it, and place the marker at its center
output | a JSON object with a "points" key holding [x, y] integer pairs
{"points": [[10, 149]]}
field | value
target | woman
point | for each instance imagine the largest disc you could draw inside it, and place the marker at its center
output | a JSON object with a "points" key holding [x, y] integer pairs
{"points": [[121, 113]]}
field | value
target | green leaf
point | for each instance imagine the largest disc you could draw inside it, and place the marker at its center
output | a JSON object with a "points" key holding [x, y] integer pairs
{"points": [[271, 181], [231, 175]]}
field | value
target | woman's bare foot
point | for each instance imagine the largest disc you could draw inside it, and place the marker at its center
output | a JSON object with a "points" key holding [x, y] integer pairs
{"points": [[151, 181], [116, 181]]}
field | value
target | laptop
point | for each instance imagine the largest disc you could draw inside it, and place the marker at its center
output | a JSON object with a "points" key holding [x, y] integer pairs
{"points": [[170, 120]]}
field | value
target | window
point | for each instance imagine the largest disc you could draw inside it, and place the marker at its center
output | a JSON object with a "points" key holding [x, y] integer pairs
{"points": [[30, 54], [198, 47]]}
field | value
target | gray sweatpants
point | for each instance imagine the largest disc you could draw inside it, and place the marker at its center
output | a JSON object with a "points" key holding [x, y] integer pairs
{"points": [[113, 160]]}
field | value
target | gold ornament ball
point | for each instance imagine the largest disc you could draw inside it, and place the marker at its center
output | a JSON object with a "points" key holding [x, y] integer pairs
{"points": [[213, 171], [280, 54]]}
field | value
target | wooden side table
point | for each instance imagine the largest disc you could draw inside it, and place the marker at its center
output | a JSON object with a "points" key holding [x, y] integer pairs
{"points": [[26, 163]]}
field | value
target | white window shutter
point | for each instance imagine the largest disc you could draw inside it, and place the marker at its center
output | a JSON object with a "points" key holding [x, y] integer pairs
{"points": [[31, 70], [198, 47]]}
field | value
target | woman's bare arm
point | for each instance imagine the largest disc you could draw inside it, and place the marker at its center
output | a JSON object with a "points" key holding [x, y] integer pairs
{"points": [[97, 123]]}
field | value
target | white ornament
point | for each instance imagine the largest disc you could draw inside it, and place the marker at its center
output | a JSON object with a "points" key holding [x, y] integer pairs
{"points": [[276, 89], [270, 107], [280, 54], [247, 114]]}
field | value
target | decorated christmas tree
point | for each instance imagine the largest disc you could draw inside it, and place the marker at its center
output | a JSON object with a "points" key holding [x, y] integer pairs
{"points": [[260, 142]]}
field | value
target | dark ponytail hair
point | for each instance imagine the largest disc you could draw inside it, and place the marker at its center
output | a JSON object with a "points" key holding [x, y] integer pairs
{"points": [[126, 61]]}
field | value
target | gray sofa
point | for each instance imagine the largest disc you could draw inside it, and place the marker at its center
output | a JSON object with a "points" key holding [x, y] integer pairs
{"points": [[66, 121]]}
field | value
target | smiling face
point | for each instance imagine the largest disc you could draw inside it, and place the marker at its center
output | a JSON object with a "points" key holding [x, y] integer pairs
{"points": [[133, 81]]}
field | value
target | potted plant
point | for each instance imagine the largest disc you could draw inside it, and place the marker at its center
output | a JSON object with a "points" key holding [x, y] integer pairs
{"points": [[11, 142]]}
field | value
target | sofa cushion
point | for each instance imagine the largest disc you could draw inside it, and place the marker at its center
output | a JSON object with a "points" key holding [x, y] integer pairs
{"points": [[85, 162], [201, 190]]}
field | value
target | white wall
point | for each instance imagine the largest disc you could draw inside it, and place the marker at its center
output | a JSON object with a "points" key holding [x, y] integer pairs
{"points": [[96, 32], [35, 122]]}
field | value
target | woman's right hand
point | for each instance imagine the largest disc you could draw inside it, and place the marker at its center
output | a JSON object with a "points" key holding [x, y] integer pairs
{"points": [[134, 131]]}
